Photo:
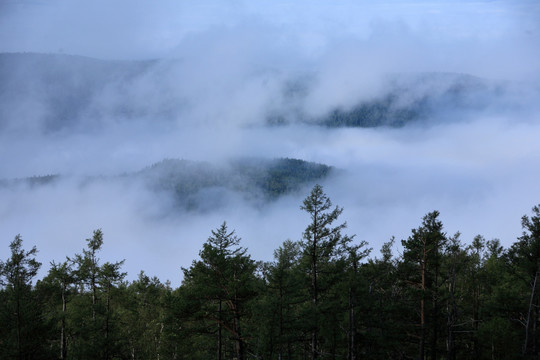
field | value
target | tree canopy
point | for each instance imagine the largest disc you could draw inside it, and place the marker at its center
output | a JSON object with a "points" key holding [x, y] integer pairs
{"points": [[322, 296]]}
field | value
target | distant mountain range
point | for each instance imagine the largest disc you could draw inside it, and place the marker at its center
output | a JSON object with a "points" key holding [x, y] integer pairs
{"points": [[407, 98], [64, 92], [68, 92]]}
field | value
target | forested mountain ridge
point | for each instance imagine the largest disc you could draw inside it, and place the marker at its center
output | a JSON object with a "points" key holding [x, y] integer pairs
{"points": [[256, 179], [197, 185], [55, 92], [400, 99], [321, 297], [418, 98], [31, 181]]}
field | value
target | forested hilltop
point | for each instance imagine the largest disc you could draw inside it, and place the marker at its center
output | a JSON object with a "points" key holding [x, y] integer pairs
{"points": [[201, 186], [321, 297]]}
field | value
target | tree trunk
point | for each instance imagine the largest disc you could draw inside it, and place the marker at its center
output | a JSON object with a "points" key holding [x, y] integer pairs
{"points": [[452, 317], [219, 332], [280, 351], [435, 311], [93, 286], [107, 319], [476, 311], [158, 342], [422, 307], [237, 329], [315, 290], [238, 334], [534, 337], [63, 348], [351, 353], [527, 324], [18, 311]]}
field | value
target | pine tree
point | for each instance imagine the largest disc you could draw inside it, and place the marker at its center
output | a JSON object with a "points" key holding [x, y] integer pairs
{"points": [[143, 308], [21, 332], [219, 287], [354, 284], [279, 309], [423, 250], [319, 244], [57, 288], [525, 255], [92, 306]]}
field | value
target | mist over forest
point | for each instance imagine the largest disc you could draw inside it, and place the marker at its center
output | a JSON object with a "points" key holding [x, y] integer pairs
{"points": [[158, 123]]}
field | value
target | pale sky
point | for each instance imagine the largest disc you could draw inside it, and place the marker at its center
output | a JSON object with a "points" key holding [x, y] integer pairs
{"points": [[228, 62]]}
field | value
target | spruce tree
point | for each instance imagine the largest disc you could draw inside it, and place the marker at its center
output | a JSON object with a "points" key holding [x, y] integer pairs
{"points": [[423, 250], [218, 288], [319, 244], [21, 332]]}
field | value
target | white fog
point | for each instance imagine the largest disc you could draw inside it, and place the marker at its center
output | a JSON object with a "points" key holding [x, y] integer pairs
{"points": [[97, 90]]}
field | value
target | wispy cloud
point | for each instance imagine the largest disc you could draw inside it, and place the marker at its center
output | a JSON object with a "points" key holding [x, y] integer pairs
{"points": [[219, 70]]}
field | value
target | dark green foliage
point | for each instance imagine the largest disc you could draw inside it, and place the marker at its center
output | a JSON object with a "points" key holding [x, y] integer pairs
{"points": [[416, 98], [199, 185], [218, 289], [22, 329], [142, 317], [282, 176], [57, 289], [406, 99], [318, 298], [202, 186], [319, 246], [423, 252], [83, 305], [524, 256], [282, 328], [376, 113]]}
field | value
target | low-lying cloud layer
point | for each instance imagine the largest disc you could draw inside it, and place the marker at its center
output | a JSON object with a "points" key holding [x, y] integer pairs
{"points": [[200, 82]]}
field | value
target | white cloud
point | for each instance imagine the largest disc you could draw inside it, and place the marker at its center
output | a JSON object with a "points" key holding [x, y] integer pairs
{"points": [[225, 66]]}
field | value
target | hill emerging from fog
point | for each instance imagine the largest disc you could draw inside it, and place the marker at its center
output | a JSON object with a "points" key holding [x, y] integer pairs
{"points": [[417, 98], [62, 92], [400, 99], [202, 186]]}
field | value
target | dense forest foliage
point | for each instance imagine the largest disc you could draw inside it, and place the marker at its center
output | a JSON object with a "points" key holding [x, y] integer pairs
{"points": [[321, 297], [198, 185], [406, 99], [381, 112], [254, 178]]}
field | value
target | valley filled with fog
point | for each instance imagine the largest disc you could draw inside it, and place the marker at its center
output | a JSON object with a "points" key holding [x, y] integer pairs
{"points": [[156, 128]]}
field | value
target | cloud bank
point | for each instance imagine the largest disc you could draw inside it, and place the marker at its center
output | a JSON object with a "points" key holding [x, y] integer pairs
{"points": [[199, 81]]}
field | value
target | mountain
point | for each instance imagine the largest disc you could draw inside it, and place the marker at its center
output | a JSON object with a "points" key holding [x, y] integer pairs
{"points": [[53, 92], [57, 92], [257, 180], [200, 186], [405, 98]]}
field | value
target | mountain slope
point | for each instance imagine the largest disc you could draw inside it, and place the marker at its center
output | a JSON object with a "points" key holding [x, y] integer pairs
{"points": [[62, 92], [256, 180], [196, 185]]}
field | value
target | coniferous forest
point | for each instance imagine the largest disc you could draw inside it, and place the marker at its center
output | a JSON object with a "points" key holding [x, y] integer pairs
{"points": [[322, 297]]}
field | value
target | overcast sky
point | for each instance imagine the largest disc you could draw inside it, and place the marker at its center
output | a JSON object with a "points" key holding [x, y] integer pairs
{"points": [[230, 61]]}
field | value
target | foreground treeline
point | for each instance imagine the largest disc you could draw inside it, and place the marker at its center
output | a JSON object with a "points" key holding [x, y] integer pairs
{"points": [[321, 297]]}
